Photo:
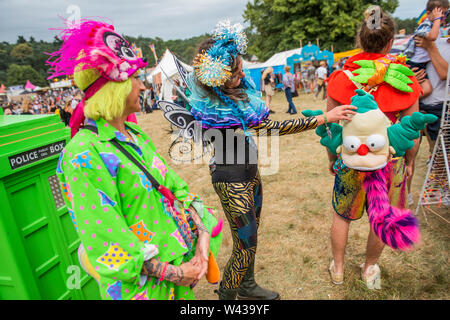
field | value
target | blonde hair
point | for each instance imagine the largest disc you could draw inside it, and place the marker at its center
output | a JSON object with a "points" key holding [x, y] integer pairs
{"points": [[109, 102], [26, 105], [287, 68], [267, 71]]}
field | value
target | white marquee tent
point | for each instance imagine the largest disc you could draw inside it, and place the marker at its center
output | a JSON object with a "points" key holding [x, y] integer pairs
{"points": [[278, 59], [167, 68], [251, 65]]}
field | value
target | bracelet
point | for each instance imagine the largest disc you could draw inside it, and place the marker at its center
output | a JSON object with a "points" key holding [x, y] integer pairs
{"points": [[438, 18], [164, 272], [325, 118]]}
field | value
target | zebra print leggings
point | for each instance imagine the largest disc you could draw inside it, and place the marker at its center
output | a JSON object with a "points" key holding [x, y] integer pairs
{"points": [[241, 203]]}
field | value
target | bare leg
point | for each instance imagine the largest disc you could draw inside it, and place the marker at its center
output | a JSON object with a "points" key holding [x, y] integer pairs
{"points": [[431, 143], [373, 251], [268, 101], [339, 237], [409, 179]]}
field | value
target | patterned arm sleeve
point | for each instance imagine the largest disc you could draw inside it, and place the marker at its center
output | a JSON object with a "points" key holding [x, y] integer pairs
{"points": [[285, 127], [95, 207]]}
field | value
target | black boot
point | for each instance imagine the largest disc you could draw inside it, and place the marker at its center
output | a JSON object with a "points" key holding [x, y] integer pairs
{"points": [[250, 290], [226, 294]]}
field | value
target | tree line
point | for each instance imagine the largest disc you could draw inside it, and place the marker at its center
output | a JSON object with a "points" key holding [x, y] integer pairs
{"points": [[274, 26], [281, 25], [26, 59]]}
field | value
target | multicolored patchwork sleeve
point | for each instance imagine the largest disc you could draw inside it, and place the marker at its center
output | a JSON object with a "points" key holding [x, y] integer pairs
{"points": [[94, 204], [285, 127]]}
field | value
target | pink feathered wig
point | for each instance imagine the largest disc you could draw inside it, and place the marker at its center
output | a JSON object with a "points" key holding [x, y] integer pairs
{"points": [[93, 45]]}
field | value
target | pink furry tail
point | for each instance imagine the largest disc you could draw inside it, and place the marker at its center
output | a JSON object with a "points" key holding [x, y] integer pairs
{"points": [[398, 228]]}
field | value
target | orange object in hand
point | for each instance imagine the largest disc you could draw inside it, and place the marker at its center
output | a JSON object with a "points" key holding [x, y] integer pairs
{"points": [[213, 272]]}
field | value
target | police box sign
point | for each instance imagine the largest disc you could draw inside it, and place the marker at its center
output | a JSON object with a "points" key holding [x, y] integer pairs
{"points": [[30, 156]]}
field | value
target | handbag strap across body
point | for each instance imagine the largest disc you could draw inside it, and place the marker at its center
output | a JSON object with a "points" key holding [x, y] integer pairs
{"points": [[161, 189], [180, 219]]}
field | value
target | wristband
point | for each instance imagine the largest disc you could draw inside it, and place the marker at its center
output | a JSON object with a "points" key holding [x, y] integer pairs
{"points": [[438, 18], [164, 272], [325, 119]]}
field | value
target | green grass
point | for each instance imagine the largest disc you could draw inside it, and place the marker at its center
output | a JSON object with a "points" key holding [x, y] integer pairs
{"points": [[294, 236]]}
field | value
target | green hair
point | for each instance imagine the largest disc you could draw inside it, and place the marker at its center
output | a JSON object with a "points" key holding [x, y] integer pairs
{"points": [[109, 102], [364, 101]]}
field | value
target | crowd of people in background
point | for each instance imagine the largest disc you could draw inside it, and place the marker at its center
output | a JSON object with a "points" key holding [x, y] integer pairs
{"points": [[309, 77], [63, 102], [57, 101]]}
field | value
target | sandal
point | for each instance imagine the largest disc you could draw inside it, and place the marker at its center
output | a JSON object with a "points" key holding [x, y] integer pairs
{"points": [[336, 278], [372, 278]]}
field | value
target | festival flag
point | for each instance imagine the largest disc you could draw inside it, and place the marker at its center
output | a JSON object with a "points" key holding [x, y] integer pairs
{"points": [[422, 17], [137, 51], [133, 48], [152, 47]]}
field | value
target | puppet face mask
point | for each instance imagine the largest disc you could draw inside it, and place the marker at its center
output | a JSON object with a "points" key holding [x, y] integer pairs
{"points": [[123, 61], [365, 144]]}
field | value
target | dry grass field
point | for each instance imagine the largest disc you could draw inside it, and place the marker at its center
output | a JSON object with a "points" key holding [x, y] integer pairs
{"points": [[294, 249]]}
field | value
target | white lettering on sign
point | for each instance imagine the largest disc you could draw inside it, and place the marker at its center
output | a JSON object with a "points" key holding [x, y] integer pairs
{"points": [[56, 148], [30, 156]]}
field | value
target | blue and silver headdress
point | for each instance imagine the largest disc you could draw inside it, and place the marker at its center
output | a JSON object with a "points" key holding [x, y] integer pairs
{"points": [[212, 67]]}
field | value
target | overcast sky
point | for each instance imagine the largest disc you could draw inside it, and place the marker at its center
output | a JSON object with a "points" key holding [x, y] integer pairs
{"points": [[167, 19]]}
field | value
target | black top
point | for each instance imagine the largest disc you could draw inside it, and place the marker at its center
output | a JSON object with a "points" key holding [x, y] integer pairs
{"points": [[235, 156], [267, 79]]}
